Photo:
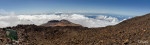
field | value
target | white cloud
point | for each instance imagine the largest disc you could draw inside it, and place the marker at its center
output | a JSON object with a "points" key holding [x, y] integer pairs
{"points": [[99, 21], [10, 19]]}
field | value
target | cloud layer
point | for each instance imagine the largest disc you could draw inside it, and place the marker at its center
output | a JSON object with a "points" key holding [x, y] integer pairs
{"points": [[99, 21]]}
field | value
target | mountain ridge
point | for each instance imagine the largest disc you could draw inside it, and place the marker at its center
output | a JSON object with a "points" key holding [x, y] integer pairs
{"points": [[63, 22]]}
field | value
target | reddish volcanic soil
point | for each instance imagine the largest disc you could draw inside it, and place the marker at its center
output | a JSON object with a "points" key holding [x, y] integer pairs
{"points": [[135, 31]]}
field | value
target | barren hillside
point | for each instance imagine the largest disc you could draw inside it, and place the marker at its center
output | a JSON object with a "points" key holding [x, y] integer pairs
{"points": [[135, 31]]}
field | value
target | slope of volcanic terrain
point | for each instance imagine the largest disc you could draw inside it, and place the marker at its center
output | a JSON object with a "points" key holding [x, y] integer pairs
{"points": [[135, 31], [54, 23]]}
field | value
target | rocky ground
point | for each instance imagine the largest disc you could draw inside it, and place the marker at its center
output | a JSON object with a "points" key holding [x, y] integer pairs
{"points": [[135, 31]]}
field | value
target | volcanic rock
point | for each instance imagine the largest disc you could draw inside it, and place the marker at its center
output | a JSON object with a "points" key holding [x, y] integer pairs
{"points": [[134, 31]]}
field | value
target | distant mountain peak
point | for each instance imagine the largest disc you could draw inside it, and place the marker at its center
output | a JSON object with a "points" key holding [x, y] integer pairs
{"points": [[53, 23]]}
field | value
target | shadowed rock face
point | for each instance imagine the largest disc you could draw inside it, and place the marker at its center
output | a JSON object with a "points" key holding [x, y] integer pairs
{"points": [[54, 23], [135, 31]]}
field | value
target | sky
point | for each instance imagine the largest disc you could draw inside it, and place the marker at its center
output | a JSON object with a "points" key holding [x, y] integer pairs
{"points": [[122, 7]]}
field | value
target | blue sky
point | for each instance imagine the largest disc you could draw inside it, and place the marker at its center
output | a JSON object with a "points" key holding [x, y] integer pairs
{"points": [[122, 7]]}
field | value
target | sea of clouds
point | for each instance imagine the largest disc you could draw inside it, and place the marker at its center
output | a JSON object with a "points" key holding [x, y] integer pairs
{"points": [[99, 21]]}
